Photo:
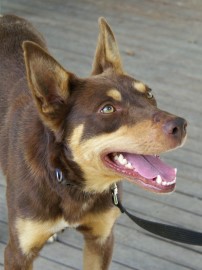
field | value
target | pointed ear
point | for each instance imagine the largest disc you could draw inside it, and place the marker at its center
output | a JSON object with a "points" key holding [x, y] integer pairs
{"points": [[107, 52], [49, 83]]}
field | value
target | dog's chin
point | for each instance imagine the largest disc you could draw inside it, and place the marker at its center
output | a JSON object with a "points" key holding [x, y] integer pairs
{"points": [[147, 171]]}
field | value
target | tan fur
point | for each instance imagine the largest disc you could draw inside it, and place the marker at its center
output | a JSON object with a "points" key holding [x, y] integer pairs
{"points": [[139, 86], [33, 234], [101, 224], [115, 94], [91, 260], [136, 139]]}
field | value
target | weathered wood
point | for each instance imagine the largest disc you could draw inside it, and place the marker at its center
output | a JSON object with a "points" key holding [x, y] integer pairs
{"points": [[161, 44]]}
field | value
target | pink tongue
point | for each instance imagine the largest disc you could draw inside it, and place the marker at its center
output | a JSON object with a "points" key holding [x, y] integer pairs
{"points": [[151, 166]]}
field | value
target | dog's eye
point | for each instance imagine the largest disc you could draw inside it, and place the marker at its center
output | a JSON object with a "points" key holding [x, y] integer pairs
{"points": [[108, 109], [149, 94]]}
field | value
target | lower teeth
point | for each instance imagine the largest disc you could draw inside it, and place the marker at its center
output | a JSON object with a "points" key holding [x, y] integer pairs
{"points": [[122, 161]]}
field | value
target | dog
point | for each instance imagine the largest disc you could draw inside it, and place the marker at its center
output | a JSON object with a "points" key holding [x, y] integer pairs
{"points": [[65, 141]]}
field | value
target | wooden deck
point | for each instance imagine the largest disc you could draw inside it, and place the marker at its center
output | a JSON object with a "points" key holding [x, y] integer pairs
{"points": [[160, 43]]}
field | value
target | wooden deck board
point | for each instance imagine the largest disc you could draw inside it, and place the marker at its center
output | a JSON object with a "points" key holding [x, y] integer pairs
{"points": [[161, 44]]}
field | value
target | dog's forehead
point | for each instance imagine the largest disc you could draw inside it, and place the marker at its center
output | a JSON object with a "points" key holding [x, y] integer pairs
{"points": [[118, 87]]}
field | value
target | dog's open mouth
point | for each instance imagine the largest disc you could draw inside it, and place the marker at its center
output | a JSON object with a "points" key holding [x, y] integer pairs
{"points": [[147, 170]]}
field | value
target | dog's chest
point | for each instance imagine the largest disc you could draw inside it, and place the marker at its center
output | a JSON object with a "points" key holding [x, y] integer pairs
{"points": [[62, 224]]}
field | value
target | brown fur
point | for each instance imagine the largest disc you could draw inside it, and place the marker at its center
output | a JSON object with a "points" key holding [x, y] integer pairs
{"points": [[50, 118]]}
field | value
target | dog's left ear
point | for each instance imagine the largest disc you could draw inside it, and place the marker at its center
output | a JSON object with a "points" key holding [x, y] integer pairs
{"points": [[107, 52], [49, 83]]}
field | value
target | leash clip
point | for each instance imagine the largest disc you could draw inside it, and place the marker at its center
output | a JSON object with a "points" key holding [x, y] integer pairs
{"points": [[114, 189]]}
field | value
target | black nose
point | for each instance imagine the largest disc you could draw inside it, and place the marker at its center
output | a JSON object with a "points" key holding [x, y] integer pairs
{"points": [[176, 127]]}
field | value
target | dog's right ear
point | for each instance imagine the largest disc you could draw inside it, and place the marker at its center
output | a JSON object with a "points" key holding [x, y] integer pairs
{"points": [[49, 83], [107, 52]]}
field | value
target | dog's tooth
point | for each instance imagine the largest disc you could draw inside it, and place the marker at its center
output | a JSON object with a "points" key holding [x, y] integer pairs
{"points": [[175, 170], [164, 183], [174, 181], [159, 180], [120, 156], [125, 161], [129, 165], [116, 158], [122, 160]]}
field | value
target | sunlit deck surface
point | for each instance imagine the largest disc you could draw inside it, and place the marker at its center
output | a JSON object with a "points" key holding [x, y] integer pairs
{"points": [[161, 44]]}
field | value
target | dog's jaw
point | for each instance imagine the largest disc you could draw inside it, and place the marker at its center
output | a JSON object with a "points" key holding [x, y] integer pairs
{"points": [[161, 179]]}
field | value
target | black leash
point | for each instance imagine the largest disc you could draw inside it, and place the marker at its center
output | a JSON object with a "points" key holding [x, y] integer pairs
{"points": [[167, 231]]}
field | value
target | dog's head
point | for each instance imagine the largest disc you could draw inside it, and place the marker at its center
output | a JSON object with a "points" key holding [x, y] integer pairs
{"points": [[108, 124]]}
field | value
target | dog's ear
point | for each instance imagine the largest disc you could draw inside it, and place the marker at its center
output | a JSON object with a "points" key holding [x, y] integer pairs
{"points": [[107, 52], [49, 83]]}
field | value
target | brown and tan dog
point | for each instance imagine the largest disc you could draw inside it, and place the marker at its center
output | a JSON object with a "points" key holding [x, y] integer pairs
{"points": [[87, 133]]}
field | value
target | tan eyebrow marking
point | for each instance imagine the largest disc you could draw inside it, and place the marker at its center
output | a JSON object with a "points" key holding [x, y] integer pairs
{"points": [[140, 87], [115, 94]]}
